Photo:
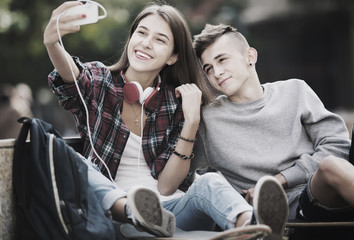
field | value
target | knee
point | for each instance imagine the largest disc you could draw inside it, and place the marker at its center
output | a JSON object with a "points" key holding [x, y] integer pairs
{"points": [[209, 179], [326, 166], [329, 169]]}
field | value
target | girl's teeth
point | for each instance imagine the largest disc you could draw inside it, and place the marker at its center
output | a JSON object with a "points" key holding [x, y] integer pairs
{"points": [[143, 55]]}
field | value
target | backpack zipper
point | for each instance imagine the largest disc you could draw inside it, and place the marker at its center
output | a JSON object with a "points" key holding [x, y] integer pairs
{"points": [[82, 214], [54, 184], [76, 180], [77, 189], [59, 203]]}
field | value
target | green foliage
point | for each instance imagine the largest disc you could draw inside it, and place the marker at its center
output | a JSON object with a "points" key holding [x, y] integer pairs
{"points": [[22, 23]]}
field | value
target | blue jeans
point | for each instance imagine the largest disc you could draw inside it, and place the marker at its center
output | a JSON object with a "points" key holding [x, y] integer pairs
{"points": [[209, 200], [106, 191]]}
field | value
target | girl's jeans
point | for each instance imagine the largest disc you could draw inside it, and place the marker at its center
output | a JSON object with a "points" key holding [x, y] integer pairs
{"points": [[209, 200]]}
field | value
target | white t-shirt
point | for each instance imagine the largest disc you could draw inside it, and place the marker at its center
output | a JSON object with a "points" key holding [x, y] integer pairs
{"points": [[133, 170]]}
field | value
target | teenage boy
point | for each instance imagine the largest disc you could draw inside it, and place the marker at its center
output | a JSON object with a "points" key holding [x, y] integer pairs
{"points": [[250, 129]]}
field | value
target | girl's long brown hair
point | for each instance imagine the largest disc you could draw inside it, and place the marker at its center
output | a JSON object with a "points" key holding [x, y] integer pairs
{"points": [[186, 69]]}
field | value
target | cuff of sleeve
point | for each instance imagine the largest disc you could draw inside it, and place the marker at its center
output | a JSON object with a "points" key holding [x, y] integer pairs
{"points": [[68, 89], [110, 198], [57, 83], [294, 176]]}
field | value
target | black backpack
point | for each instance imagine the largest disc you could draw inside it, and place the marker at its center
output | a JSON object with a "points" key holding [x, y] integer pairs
{"points": [[52, 197]]}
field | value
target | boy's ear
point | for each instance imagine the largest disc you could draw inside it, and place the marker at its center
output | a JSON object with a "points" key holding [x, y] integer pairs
{"points": [[252, 56], [173, 59]]}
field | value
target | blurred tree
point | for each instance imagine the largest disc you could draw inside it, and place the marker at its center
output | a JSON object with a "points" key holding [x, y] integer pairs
{"points": [[279, 36], [23, 56]]}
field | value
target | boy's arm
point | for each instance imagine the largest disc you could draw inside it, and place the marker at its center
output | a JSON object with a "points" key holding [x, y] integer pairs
{"points": [[327, 132]]}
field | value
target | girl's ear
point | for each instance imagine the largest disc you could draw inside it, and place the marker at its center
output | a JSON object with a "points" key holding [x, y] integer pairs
{"points": [[252, 56], [173, 59]]}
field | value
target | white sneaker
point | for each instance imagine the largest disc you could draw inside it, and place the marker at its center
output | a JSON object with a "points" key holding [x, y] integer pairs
{"points": [[270, 206], [148, 213]]}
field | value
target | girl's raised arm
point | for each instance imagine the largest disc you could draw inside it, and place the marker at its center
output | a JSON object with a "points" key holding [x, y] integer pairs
{"points": [[56, 52]]}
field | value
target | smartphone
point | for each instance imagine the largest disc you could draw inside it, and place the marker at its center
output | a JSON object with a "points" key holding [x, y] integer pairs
{"points": [[89, 9]]}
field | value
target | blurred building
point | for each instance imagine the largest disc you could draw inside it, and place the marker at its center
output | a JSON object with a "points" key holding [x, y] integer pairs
{"points": [[311, 40]]}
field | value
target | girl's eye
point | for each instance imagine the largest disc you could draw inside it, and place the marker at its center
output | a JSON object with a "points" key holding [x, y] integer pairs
{"points": [[207, 70], [222, 60], [141, 32], [161, 40]]}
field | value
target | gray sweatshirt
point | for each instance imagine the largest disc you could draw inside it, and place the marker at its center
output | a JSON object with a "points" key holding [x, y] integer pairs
{"points": [[287, 131]]}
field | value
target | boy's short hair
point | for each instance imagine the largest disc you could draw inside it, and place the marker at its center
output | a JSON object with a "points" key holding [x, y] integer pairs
{"points": [[206, 38], [213, 32]]}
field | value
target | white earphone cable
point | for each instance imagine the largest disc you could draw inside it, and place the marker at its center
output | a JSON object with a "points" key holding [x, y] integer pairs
{"points": [[81, 97], [141, 136]]}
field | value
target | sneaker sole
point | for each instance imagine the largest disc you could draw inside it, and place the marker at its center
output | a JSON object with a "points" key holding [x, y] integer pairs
{"points": [[147, 210], [271, 206]]}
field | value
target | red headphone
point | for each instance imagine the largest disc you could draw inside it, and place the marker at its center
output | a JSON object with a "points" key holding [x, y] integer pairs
{"points": [[132, 91]]}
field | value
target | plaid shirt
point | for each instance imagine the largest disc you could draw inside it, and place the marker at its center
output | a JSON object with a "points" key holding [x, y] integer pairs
{"points": [[103, 94]]}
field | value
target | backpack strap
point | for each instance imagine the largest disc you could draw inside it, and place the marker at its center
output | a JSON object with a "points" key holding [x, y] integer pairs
{"points": [[19, 152], [19, 144]]}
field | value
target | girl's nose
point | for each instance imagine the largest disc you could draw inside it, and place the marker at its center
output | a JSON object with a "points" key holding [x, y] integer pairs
{"points": [[146, 42]]}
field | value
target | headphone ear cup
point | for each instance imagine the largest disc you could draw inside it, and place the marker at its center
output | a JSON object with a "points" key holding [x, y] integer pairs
{"points": [[146, 95], [132, 92], [151, 95]]}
